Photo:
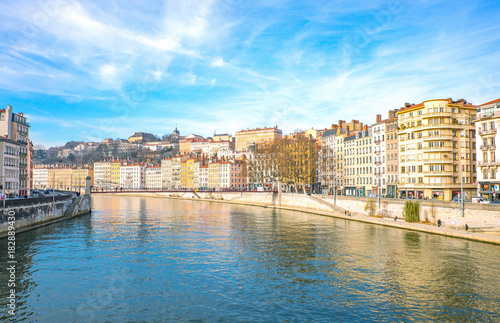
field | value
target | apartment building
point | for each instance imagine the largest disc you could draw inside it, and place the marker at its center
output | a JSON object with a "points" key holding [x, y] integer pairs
{"points": [[379, 157], [259, 135], [214, 175], [349, 166], [102, 175], [40, 176], [488, 153], [79, 178], [392, 156], [14, 126], [166, 173], [436, 140], [327, 160], [237, 179], [132, 176], [363, 162], [203, 177], [9, 172], [153, 177]]}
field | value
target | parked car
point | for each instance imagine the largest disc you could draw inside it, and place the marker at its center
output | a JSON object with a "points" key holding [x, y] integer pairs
{"points": [[457, 199], [480, 200], [495, 202]]}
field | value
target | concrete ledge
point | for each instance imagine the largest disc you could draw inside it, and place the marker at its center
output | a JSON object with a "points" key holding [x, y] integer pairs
{"points": [[445, 231]]}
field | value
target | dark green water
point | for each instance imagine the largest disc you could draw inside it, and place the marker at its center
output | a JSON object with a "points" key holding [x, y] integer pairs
{"points": [[159, 260]]}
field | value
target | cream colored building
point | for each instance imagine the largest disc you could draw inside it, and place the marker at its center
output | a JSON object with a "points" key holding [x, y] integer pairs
{"points": [[363, 162], [488, 153], [153, 177], [436, 143], [214, 175], [245, 137]]}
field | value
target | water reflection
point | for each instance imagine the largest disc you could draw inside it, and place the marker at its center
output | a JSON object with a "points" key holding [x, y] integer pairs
{"points": [[143, 259]]}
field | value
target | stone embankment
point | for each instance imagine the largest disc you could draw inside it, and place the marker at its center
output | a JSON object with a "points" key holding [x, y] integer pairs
{"points": [[480, 218], [32, 213]]}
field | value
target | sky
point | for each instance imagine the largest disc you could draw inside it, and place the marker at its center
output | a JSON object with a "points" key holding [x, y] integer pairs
{"points": [[90, 70]]}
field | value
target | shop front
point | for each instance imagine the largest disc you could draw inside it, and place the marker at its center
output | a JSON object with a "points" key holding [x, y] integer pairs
{"points": [[391, 191], [437, 195]]}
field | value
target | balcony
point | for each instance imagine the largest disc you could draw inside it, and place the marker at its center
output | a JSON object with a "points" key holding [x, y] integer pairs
{"points": [[485, 132], [438, 173], [377, 142], [23, 165], [436, 114], [437, 149], [483, 115], [23, 154], [377, 131], [378, 163], [439, 137], [23, 176], [377, 152], [24, 133], [487, 147], [438, 160]]}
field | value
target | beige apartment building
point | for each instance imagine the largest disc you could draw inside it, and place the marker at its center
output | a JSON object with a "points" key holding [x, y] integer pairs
{"points": [[436, 141], [245, 137], [364, 163]]}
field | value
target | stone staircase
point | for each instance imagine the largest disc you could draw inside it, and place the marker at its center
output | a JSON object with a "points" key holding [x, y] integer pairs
{"points": [[71, 208], [331, 205]]}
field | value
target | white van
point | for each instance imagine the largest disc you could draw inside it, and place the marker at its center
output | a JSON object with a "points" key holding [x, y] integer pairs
{"points": [[480, 200]]}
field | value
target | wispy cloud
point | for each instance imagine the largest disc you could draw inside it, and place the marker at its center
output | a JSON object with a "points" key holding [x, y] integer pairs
{"points": [[109, 69]]}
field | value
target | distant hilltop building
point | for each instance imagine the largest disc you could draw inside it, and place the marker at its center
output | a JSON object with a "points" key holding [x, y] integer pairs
{"points": [[142, 137], [245, 137]]}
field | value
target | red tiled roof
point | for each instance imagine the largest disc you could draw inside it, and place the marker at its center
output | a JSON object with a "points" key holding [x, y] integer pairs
{"points": [[494, 101]]}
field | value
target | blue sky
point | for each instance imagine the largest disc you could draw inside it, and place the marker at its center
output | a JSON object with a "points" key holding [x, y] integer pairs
{"points": [[95, 69]]}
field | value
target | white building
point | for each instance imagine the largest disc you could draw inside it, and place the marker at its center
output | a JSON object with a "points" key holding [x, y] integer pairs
{"points": [[487, 152], [379, 157], [159, 145], [102, 175], [132, 176], [202, 146], [9, 172], [40, 178], [153, 177], [203, 177], [225, 175], [327, 161]]}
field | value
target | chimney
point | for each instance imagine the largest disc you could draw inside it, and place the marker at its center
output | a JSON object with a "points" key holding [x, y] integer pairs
{"points": [[407, 105], [348, 132], [379, 118], [392, 114]]}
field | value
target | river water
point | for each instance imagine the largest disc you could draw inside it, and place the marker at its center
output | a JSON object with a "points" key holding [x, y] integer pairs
{"points": [[155, 260]]}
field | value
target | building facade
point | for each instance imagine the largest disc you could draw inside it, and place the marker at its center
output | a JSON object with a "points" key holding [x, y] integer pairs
{"points": [[436, 141], [392, 156], [487, 152], [9, 172], [379, 158], [244, 138]]}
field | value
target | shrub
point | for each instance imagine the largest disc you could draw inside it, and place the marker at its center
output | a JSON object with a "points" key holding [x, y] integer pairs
{"points": [[411, 211], [370, 207]]}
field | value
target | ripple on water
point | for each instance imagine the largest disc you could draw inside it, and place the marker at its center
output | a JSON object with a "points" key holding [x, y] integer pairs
{"points": [[147, 259]]}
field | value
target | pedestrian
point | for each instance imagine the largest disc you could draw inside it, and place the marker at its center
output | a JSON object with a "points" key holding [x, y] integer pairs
{"points": [[395, 218], [466, 227], [345, 212], [439, 223]]}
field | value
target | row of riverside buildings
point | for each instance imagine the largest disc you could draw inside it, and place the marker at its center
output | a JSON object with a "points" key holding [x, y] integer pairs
{"points": [[16, 153], [430, 150]]}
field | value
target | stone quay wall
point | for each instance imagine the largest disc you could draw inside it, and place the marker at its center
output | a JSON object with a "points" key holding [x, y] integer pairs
{"points": [[34, 212]]}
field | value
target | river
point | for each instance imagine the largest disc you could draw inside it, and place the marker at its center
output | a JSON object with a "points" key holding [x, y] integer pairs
{"points": [[139, 259]]}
